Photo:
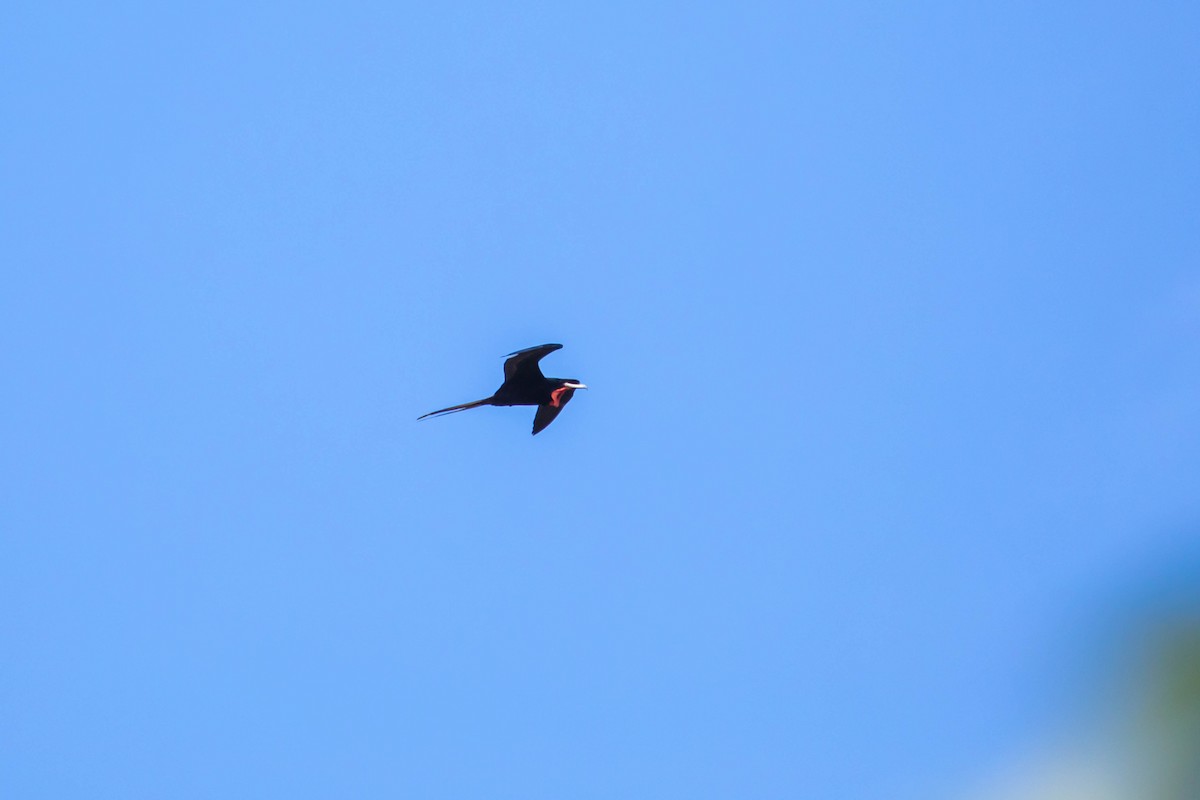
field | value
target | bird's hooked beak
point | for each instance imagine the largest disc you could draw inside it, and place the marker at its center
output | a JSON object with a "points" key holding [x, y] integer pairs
{"points": [[574, 385]]}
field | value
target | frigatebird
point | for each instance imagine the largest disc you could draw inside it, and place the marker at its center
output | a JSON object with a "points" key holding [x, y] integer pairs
{"points": [[525, 385]]}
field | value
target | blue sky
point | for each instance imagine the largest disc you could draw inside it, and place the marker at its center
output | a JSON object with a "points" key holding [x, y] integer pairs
{"points": [[890, 319]]}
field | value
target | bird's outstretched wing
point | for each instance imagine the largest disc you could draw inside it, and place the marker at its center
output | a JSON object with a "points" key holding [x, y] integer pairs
{"points": [[524, 363], [548, 411]]}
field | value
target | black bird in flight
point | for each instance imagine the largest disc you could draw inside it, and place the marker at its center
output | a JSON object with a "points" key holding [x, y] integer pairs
{"points": [[525, 385]]}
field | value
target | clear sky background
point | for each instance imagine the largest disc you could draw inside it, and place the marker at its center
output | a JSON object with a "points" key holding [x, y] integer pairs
{"points": [[890, 314]]}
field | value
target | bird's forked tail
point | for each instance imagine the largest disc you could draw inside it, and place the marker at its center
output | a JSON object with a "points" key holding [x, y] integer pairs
{"points": [[487, 401]]}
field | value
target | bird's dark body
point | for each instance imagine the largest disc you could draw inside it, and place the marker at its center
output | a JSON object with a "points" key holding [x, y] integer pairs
{"points": [[525, 394], [525, 385]]}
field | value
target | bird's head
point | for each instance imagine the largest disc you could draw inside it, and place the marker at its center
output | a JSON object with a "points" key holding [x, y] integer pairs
{"points": [[566, 388]]}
